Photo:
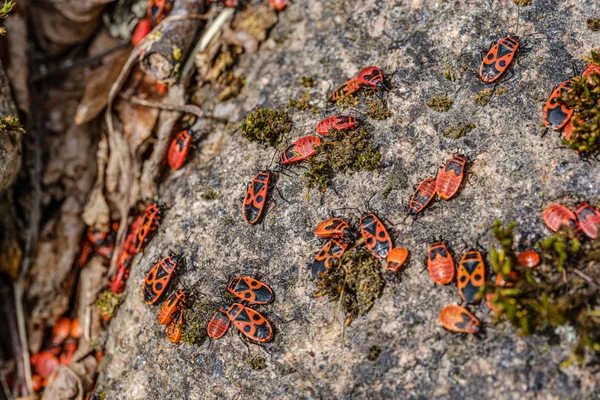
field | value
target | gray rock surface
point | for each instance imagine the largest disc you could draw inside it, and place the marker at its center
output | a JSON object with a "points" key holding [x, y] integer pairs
{"points": [[515, 173]]}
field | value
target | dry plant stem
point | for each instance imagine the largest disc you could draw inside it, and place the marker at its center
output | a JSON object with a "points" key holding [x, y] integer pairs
{"points": [[186, 108], [586, 278], [5, 387], [22, 334]]}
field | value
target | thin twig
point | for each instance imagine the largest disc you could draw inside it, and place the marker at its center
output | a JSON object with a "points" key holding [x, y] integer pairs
{"points": [[186, 108], [586, 278], [5, 386]]}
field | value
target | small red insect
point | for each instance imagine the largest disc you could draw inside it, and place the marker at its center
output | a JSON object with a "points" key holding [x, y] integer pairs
{"points": [[333, 228], [250, 322], [557, 215], [142, 29], [173, 331], [61, 331], [158, 278], [458, 319], [591, 69], [498, 58], [395, 259], [45, 363], [117, 282], [338, 247], [250, 289], [279, 5], [509, 282], [440, 264], [69, 348], [589, 219], [256, 196], [151, 219], [450, 177], [179, 148], [174, 304], [556, 115], [337, 122], [157, 10], [36, 382], [218, 325], [490, 301], [300, 150], [87, 249], [528, 258], [377, 238], [350, 87], [471, 276], [104, 242], [423, 195], [371, 76], [323, 261], [75, 331]]}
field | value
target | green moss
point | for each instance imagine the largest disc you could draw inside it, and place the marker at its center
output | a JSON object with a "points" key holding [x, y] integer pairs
{"points": [[584, 98], [386, 192], [483, 97], [522, 3], [378, 109], [257, 363], [308, 81], [303, 104], [346, 101], [450, 72], [441, 103], [346, 151], [211, 194], [593, 58], [102, 395], [11, 124], [500, 90], [196, 318], [374, 353], [593, 24], [559, 293], [6, 8], [108, 303], [459, 130], [355, 282], [266, 126]]}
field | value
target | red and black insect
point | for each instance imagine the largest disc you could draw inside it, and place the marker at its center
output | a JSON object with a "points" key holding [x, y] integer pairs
{"points": [[142, 29], [175, 303], [300, 150], [218, 325], [279, 5], [589, 219], [471, 276], [529, 258], [440, 263], [350, 87], [396, 259], [458, 319], [117, 282], [157, 10], [423, 195], [104, 242], [323, 261], [498, 59], [158, 278], [150, 222], [256, 197], [557, 215], [338, 247], [450, 177], [333, 228], [371, 76], [87, 249], [557, 115], [250, 289], [337, 122], [179, 148], [377, 238], [173, 331], [250, 322], [591, 69]]}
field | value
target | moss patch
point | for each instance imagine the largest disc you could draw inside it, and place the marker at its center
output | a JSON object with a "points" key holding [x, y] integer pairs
{"points": [[266, 126], [378, 109], [303, 104], [450, 72], [374, 353], [307, 81], [483, 97], [440, 104], [459, 130], [108, 303], [195, 320], [211, 194], [593, 24], [560, 293], [257, 363], [355, 282], [341, 152], [346, 101], [11, 124], [522, 3]]}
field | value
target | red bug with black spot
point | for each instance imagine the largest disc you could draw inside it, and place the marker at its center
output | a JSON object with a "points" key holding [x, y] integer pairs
{"points": [[300, 150], [458, 319], [174, 304], [589, 219], [157, 10], [450, 177], [333, 228], [371, 76], [87, 249], [338, 247], [158, 278], [557, 115], [117, 282], [250, 322], [529, 258], [250, 290], [471, 276], [337, 122], [323, 261], [218, 325], [440, 263], [348, 88], [256, 197], [423, 195], [180, 148], [150, 222], [396, 259], [173, 332], [557, 215], [498, 59], [591, 69], [377, 238]]}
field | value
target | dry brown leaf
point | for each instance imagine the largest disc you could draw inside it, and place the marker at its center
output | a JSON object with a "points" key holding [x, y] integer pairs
{"points": [[64, 383], [91, 281], [96, 213]]}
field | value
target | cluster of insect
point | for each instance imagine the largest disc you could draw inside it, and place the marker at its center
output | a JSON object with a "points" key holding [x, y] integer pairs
{"points": [[303, 148], [583, 222], [248, 321]]}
